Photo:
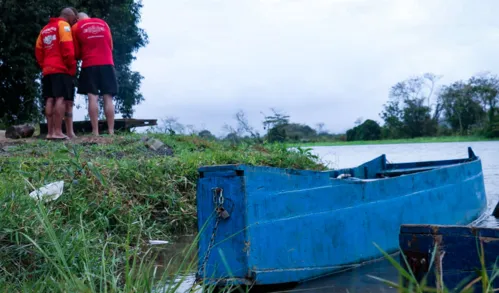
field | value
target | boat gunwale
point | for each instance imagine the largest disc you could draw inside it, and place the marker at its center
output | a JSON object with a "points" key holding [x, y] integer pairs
{"points": [[429, 166], [434, 164]]}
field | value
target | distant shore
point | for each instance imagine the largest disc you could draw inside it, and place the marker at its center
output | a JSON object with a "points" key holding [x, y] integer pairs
{"points": [[396, 141]]}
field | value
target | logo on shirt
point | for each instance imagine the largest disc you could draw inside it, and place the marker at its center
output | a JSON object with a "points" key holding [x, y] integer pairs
{"points": [[67, 28], [49, 30], [93, 29], [48, 40]]}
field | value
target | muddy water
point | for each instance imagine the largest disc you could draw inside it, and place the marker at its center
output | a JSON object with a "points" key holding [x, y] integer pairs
{"points": [[358, 280]]}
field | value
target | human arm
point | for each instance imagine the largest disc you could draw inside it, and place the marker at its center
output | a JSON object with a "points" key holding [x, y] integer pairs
{"points": [[67, 46], [110, 36], [76, 42], [39, 51]]}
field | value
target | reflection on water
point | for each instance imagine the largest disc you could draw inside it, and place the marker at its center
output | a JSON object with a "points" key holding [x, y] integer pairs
{"points": [[358, 280], [174, 257]]}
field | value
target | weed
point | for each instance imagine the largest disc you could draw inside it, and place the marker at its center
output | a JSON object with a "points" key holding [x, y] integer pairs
{"points": [[117, 196]]}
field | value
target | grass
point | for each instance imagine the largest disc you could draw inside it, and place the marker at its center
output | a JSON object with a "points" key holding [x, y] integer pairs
{"points": [[408, 283], [118, 194], [440, 139]]}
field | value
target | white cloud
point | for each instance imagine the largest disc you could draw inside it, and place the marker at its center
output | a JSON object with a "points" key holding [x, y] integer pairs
{"points": [[320, 61]]}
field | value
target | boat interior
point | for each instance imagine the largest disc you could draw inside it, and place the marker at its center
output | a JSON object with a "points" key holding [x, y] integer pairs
{"points": [[380, 168]]}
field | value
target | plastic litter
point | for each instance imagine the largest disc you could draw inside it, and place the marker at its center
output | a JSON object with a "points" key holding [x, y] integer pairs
{"points": [[49, 192], [154, 144], [157, 242]]}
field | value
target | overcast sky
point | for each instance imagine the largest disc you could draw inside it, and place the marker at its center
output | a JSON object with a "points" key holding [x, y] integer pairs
{"points": [[329, 61]]}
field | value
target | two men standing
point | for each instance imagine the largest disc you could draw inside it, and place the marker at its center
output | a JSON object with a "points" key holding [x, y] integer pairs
{"points": [[57, 48]]}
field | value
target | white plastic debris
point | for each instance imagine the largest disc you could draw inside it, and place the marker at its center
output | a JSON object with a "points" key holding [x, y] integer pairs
{"points": [[154, 144], [49, 192], [157, 242], [343, 176]]}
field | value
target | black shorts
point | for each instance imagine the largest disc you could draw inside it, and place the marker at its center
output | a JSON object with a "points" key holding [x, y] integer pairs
{"points": [[58, 85], [98, 80]]}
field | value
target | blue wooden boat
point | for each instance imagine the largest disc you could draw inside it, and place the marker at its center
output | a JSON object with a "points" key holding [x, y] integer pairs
{"points": [[450, 257], [262, 225]]}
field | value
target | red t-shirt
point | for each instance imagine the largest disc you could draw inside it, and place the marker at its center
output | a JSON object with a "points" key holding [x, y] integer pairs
{"points": [[54, 49], [93, 42]]}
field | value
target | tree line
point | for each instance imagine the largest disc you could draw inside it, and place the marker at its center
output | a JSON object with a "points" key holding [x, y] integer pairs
{"points": [[20, 23], [277, 126], [418, 107]]}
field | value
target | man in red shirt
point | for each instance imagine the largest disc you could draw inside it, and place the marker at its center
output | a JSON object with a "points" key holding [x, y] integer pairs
{"points": [[55, 54], [94, 46]]}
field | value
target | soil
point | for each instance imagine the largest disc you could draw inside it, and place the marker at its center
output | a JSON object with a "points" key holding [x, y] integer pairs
{"points": [[87, 139]]}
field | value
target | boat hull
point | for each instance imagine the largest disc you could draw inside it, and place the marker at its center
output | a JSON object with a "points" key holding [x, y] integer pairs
{"points": [[294, 225], [458, 253]]}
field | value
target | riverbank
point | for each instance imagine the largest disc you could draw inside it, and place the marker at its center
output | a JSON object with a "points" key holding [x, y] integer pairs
{"points": [[440, 139], [118, 195]]}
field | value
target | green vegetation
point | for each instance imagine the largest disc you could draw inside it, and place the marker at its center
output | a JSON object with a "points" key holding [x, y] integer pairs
{"points": [[408, 283], [417, 107], [118, 194], [369, 130], [438, 139]]}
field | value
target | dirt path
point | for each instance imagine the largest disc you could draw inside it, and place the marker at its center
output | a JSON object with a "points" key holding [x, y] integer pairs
{"points": [[81, 139]]}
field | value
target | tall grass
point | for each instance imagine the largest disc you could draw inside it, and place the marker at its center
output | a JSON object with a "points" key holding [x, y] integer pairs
{"points": [[119, 267], [408, 283], [117, 195]]}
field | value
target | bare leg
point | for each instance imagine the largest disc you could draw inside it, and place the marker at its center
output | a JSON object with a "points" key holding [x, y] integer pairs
{"points": [[57, 118], [109, 111], [49, 112], [93, 112], [68, 118]]}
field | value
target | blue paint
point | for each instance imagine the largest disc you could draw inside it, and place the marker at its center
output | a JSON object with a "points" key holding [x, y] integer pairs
{"points": [[458, 247], [292, 225]]}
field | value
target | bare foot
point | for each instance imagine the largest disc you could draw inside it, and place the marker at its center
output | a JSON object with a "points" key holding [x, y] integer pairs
{"points": [[95, 133], [72, 136], [60, 136]]}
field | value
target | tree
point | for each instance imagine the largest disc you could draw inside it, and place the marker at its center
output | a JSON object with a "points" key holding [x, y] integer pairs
{"points": [[321, 128], [272, 124], [277, 118], [408, 111], [206, 134], [244, 126], [191, 129], [369, 130], [485, 87], [172, 126], [461, 108], [19, 72], [392, 115], [417, 119]]}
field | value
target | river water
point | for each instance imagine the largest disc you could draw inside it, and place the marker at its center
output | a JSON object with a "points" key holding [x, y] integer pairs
{"points": [[358, 280]]}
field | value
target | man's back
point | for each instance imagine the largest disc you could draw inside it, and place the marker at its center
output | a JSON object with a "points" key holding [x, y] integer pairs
{"points": [[54, 47], [93, 42]]}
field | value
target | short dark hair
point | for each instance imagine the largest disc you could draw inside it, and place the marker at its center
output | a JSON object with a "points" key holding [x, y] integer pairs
{"points": [[75, 11]]}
